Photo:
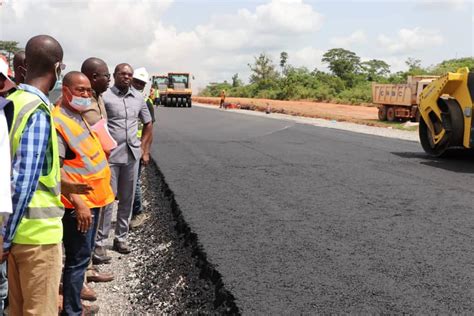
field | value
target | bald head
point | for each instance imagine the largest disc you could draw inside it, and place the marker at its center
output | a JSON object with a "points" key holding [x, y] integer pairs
{"points": [[73, 77], [98, 73], [43, 54], [19, 67]]}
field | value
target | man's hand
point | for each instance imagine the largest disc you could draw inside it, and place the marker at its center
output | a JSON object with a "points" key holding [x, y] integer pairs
{"points": [[84, 219], [68, 187], [145, 159]]}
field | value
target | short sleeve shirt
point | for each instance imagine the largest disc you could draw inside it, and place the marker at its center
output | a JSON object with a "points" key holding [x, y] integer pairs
{"points": [[123, 112], [96, 111]]}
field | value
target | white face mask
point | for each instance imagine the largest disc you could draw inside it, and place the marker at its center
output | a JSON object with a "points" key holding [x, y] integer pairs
{"points": [[80, 104]]}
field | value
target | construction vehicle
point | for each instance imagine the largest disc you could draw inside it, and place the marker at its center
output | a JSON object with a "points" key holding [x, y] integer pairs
{"points": [[178, 92], [160, 85], [446, 107], [400, 101]]}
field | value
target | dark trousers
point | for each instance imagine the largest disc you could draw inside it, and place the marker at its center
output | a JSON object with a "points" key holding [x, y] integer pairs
{"points": [[137, 200], [78, 248]]}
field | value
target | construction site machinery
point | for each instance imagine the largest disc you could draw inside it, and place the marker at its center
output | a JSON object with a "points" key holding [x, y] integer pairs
{"points": [[400, 101], [446, 113], [178, 93], [160, 85]]}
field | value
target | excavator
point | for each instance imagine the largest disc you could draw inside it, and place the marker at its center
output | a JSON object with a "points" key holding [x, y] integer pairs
{"points": [[446, 107]]}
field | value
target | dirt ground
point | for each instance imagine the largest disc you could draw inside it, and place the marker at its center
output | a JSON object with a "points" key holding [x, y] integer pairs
{"points": [[340, 112]]}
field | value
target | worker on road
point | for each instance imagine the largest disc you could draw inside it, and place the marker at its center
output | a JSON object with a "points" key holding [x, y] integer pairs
{"points": [[222, 99], [139, 80], [124, 108], [83, 160], [33, 233]]}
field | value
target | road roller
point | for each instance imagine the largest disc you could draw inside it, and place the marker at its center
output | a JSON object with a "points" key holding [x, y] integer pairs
{"points": [[446, 113]]}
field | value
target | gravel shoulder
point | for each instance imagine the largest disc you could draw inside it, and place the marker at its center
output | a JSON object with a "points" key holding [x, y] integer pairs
{"points": [[167, 272]]}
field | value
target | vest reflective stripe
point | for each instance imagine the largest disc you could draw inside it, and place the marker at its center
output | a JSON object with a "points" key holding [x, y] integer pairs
{"points": [[41, 224], [89, 164], [86, 171], [54, 190], [74, 140]]}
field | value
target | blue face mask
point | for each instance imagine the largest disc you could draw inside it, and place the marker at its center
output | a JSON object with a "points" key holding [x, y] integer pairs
{"points": [[80, 104], [56, 92]]}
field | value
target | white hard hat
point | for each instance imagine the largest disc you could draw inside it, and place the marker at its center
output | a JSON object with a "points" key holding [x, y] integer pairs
{"points": [[141, 74], [5, 72]]}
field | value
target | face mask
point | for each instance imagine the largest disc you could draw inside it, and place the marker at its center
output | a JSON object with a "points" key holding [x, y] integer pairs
{"points": [[56, 93], [80, 104], [59, 82]]}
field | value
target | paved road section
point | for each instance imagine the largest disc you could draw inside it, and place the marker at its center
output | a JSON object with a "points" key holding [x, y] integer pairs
{"points": [[303, 219]]}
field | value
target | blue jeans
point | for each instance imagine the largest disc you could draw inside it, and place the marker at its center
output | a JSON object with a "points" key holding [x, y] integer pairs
{"points": [[137, 200], [78, 248], [3, 286]]}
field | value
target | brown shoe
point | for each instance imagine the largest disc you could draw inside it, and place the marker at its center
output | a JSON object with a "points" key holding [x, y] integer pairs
{"points": [[87, 293], [121, 247], [90, 309], [96, 276]]}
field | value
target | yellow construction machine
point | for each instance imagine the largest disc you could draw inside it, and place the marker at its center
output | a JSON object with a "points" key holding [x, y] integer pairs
{"points": [[445, 107]]}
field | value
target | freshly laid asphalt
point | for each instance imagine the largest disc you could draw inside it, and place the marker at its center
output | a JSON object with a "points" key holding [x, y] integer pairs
{"points": [[301, 219]]}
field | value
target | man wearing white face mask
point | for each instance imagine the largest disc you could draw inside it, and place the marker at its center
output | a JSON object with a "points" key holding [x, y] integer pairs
{"points": [[82, 161]]}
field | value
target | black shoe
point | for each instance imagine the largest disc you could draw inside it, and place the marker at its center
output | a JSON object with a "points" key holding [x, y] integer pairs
{"points": [[121, 247]]}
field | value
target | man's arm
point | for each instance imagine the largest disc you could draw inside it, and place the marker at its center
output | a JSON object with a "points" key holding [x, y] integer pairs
{"points": [[27, 164], [147, 134]]}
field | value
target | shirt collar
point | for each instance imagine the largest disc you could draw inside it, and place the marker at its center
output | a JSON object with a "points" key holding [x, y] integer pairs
{"points": [[3, 102], [120, 94], [34, 90]]}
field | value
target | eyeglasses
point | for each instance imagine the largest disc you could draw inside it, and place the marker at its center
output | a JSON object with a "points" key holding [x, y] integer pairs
{"points": [[107, 75], [82, 90]]}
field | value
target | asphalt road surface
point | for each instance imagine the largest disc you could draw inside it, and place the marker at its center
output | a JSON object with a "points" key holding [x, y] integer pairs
{"points": [[303, 219]]}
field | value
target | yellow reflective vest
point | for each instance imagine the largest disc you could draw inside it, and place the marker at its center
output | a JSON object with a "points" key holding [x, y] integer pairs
{"points": [[41, 224]]}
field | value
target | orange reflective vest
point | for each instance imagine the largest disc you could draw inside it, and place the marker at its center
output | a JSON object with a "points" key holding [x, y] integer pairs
{"points": [[89, 165]]}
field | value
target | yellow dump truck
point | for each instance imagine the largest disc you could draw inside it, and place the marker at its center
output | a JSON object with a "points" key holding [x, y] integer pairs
{"points": [[446, 107], [399, 101]]}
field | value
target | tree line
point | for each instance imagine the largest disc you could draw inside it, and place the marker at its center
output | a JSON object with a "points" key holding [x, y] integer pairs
{"points": [[348, 80]]}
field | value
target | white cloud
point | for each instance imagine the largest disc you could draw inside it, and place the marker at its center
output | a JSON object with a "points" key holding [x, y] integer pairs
{"points": [[410, 40], [134, 32], [442, 4], [357, 37]]}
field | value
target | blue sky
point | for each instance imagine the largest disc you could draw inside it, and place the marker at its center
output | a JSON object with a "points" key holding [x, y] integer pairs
{"points": [[215, 39]]}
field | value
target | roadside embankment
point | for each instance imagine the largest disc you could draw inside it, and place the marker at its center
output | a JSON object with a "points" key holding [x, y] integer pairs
{"points": [[167, 271], [341, 112]]}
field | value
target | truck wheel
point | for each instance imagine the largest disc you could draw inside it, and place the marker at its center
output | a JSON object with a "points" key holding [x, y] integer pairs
{"points": [[391, 114], [383, 113], [189, 102]]}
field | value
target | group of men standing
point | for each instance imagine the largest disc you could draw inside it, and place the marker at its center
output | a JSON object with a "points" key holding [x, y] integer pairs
{"points": [[69, 162]]}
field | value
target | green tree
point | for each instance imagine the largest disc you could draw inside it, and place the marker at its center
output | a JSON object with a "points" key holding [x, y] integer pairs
{"points": [[283, 60], [343, 63], [452, 65], [375, 68], [236, 82], [263, 71], [9, 48]]}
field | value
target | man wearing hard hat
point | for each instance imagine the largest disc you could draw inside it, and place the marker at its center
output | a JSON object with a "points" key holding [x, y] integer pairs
{"points": [[139, 81]]}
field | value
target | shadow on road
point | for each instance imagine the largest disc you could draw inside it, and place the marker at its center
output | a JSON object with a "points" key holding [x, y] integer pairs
{"points": [[461, 161]]}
